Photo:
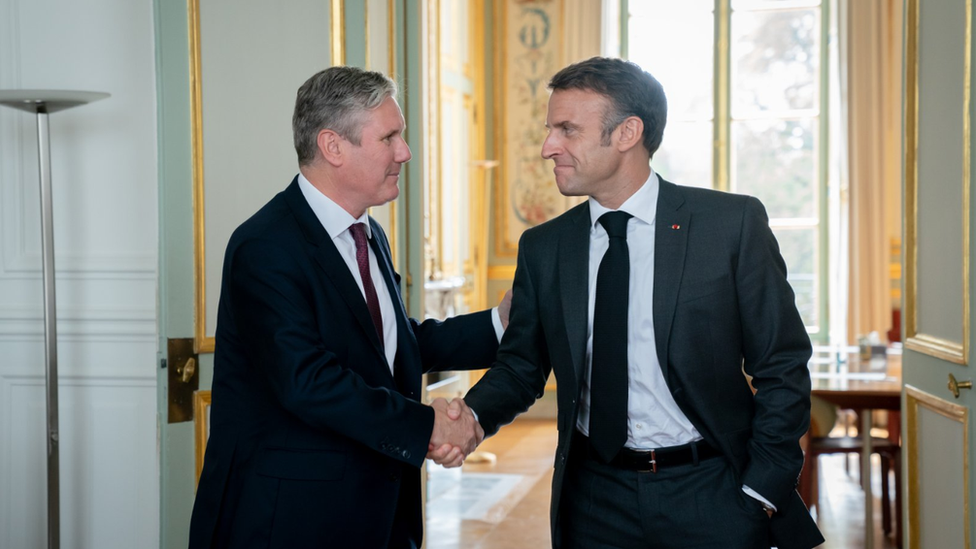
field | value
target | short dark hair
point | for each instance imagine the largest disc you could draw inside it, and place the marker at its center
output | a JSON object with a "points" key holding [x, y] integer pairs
{"points": [[336, 99], [631, 90]]}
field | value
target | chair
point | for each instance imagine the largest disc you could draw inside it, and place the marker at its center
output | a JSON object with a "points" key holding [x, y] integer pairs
{"points": [[889, 450]]}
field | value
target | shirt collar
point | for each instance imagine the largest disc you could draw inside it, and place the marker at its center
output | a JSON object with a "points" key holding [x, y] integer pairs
{"points": [[642, 204], [332, 216]]}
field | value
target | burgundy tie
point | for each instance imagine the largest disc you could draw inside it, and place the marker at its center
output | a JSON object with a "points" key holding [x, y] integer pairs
{"points": [[358, 231]]}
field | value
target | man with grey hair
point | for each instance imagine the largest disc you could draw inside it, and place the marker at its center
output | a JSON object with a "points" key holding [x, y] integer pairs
{"points": [[318, 434]]}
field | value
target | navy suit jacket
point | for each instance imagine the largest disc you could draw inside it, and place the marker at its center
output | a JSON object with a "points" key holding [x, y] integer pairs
{"points": [[314, 442], [721, 304]]}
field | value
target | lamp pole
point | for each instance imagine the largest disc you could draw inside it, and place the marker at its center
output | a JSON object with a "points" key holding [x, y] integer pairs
{"points": [[43, 103]]}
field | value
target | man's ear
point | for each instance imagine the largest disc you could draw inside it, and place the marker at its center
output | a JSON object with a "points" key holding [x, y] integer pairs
{"points": [[631, 133], [330, 145]]}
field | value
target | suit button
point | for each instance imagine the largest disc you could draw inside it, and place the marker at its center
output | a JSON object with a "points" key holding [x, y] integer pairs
{"points": [[405, 454]]}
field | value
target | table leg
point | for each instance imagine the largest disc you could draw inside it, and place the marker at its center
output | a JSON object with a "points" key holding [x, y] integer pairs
{"points": [[866, 479]]}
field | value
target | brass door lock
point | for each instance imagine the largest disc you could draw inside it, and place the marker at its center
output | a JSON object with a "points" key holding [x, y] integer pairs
{"points": [[187, 370], [954, 385], [184, 379]]}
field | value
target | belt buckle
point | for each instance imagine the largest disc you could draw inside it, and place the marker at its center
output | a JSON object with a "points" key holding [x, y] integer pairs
{"points": [[653, 468]]}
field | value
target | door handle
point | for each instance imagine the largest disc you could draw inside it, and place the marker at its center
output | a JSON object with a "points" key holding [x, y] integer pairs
{"points": [[188, 369], [954, 385]]}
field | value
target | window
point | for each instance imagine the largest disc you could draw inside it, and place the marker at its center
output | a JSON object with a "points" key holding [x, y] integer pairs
{"points": [[746, 85]]}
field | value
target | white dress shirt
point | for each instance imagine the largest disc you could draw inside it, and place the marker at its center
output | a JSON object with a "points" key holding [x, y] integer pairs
{"points": [[336, 222], [653, 417]]}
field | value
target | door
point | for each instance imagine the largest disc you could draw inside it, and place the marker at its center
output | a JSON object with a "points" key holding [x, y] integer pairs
{"points": [[228, 73], [937, 442], [456, 196]]}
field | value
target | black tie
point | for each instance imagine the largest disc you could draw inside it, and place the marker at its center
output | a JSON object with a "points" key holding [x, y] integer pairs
{"points": [[608, 373]]}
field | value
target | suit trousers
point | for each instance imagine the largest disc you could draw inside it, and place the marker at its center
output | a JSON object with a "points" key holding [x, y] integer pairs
{"points": [[687, 506]]}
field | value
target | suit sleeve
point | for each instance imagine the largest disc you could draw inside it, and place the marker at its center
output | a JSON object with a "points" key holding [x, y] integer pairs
{"points": [[275, 312], [518, 377], [776, 350], [465, 342]]}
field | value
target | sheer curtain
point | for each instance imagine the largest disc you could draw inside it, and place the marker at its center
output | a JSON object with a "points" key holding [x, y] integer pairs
{"points": [[874, 95], [582, 25]]}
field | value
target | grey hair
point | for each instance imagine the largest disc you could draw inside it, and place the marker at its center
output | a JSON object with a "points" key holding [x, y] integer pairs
{"points": [[337, 99]]}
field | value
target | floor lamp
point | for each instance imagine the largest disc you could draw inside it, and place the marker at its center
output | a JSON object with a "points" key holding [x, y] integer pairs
{"points": [[42, 103]]}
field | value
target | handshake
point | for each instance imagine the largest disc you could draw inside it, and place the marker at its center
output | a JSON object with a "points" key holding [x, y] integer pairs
{"points": [[456, 432]]}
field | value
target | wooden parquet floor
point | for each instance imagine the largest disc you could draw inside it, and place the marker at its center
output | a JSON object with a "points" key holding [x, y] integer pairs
{"points": [[521, 520]]}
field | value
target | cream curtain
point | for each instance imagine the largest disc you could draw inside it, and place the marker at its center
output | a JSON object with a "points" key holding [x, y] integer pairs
{"points": [[582, 22], [874, 59]]}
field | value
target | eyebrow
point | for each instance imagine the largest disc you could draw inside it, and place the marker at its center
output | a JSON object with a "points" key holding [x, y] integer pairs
{"points": [[562, 124]]}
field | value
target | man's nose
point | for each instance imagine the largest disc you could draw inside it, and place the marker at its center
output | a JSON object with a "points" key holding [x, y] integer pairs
{"points": [[404, 155], [549, 147]]}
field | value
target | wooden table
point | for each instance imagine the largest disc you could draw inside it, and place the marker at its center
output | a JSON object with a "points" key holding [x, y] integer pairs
{"points": [[841, 378]]}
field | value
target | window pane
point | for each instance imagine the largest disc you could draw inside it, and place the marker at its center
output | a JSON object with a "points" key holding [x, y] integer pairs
{"points": [[685, 156], [657, 30], [753, 4], [775, 161], [649, 8], [775, 61], [802, 255]]}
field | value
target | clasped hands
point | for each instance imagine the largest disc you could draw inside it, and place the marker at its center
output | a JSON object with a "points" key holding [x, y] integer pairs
{"points": [[456, 432]]}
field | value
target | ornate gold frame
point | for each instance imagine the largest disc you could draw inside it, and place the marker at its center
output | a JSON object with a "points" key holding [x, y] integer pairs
{"points": [[201, 427], [501, 272], [934, 346], [391, 51], [914, 398], [480, 195], [338, 32], [201, 342]]}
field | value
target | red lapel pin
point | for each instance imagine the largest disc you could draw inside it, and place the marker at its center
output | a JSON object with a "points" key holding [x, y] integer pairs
{"points": [[676, 227]]}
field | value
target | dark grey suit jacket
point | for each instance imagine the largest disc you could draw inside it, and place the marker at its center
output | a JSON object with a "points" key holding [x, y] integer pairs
{"points": [[721, 304]]}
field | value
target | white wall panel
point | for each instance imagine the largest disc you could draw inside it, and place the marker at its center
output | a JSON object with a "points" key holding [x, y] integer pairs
{"points": [[105, 188], [107, 499], [103, 154]]}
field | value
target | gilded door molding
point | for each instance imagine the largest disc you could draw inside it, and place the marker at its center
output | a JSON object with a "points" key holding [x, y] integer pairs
{"points": [[202, 343], [915, 401], [915, 338]]}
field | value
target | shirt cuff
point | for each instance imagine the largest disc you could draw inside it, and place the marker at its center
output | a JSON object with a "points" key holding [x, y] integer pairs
{"points": [[755, 495], [496, 321]]}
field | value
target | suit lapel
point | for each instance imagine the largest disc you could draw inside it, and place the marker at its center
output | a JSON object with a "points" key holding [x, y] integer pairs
{"points": [[407, 371], [574, 254], [327, 256], [670, 245]]}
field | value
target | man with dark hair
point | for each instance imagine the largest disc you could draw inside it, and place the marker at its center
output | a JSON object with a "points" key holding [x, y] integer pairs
{"points": [[650, 302], [317, 433]]}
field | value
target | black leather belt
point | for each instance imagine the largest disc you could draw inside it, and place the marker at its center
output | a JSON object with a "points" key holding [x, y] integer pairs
{"points": [[649, 461]]}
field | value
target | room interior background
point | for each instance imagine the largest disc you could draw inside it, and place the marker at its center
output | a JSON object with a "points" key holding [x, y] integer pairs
{"points": [[196, 136]]}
